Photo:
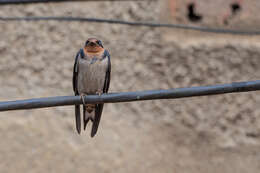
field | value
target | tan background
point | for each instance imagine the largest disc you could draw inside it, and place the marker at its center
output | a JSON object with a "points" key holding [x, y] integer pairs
{"points": [[198, 135]]}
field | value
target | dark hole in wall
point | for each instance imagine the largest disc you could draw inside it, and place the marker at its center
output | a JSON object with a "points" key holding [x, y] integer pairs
{"points": [[191, 13], [235, 8]]}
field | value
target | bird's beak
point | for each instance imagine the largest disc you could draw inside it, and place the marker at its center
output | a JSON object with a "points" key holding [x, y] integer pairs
{"points": [[92, 44]]}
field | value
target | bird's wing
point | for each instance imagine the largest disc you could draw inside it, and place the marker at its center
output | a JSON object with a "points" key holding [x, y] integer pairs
{"points": [[76, 71], [75, 88], [107, 79], [99, 107]]}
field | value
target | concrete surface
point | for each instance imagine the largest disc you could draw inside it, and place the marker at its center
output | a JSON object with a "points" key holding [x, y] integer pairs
{"points": [[198, 135]]}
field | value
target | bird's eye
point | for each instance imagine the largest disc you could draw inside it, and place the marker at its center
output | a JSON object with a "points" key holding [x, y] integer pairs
{"points": [[86, 42], [99, 43]]}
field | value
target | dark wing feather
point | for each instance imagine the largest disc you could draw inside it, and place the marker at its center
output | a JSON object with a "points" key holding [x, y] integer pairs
{"points": [[99, 107], [75, 88], [107, 79], [98, 113]]}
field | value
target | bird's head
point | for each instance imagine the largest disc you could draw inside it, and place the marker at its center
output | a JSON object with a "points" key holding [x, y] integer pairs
{"points": [[93, 45]]}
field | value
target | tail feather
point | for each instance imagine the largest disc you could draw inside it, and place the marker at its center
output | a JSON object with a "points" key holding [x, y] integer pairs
{"points": [[77, 117], [94, 116], [86, 116], [98, 112]]}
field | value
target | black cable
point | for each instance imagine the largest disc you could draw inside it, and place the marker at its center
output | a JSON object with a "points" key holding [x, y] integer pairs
{"points": [[115, 21], [132, 96], [14, 2]]}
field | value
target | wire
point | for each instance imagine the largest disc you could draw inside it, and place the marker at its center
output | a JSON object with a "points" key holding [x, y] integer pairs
{"points": [[14, 2], [132, 96], [115, 21]]}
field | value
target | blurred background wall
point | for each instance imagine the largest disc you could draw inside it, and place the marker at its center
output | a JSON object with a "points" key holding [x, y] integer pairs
{"points": [[198, 135]]}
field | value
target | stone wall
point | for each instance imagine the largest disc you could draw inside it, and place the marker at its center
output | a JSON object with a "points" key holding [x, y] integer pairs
{"points": [[203, 134], [225, 13]]}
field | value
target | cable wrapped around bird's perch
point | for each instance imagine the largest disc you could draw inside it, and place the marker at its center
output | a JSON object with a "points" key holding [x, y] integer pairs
{"points": [[132, 96]]}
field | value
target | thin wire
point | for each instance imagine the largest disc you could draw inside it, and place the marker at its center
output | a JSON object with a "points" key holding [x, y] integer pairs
{"points": [[115, 21], [132, 96], [14, 2]]}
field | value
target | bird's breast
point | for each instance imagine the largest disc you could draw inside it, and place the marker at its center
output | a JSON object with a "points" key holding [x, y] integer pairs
{"points": [[92, 73]]}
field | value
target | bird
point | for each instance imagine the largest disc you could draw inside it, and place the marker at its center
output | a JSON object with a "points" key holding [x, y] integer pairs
{"points": [[91, 75]]}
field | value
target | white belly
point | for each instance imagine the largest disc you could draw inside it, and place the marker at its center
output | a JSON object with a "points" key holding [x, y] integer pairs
{"points": [[91, 77]]}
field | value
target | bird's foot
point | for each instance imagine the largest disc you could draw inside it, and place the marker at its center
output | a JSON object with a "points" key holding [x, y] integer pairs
{"points": [[82, 96], [99, 93]]}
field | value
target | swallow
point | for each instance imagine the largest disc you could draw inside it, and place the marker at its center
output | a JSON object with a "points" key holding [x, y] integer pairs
{"points": [[91, 75]]}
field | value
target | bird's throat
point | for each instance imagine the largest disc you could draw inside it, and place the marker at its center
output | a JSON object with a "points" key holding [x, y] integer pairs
{"points": [[93, 53], [93, 49]]}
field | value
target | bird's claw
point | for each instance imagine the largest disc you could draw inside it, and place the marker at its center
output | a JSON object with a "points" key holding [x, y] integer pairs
{"points": [[82, 96], [99, 93]]}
